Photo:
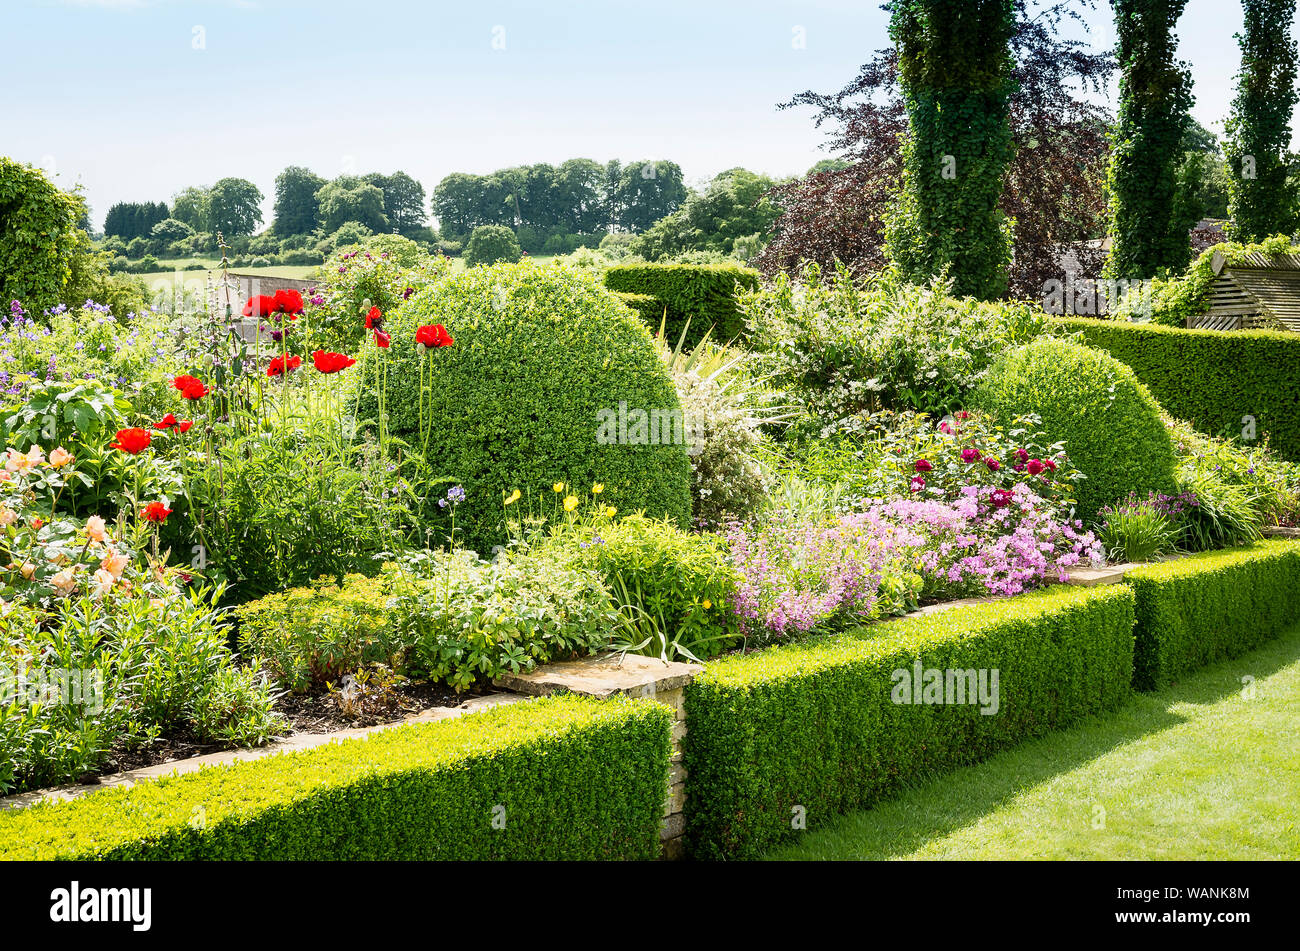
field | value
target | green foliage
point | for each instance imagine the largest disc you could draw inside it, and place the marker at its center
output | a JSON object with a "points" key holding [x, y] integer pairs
{"points": [[578, 779], [312, 636], [296, 204], [813, 725], [358, 278], [1170, 301], [466, 619], [1142, 183], [727, 408], [844, 347], [1214, 379], [645, 306], [1226, 513], [281, 508], [164, 664], [1193, 611], [677, 587], [954, 66], [1137, 530], [734, 211], [348, 199], [490, 244], [1262, 194], [704, 295], [517, 401], [234, 207], [858, 469], [1109, 422], [39, 237]]}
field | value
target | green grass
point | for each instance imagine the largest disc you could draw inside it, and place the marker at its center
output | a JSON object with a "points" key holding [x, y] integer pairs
{"points": [[1194, 771]]}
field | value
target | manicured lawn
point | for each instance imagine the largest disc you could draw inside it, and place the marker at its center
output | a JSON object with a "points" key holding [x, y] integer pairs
{"points": [[1196, 771]]}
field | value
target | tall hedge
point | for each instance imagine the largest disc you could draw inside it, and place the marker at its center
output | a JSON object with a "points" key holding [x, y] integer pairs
{"points": [[38, 236], [704, 294], [1142, 181], [550, 779], [516, 402], [954, 66], [1194, 611], [813, 729], [1213, 379], [1262, 197]]}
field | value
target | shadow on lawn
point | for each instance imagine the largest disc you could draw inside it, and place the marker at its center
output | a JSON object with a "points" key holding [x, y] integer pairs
{"points": [[986, 786]]}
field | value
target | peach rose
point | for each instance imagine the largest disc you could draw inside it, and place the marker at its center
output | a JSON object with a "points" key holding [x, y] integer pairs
{"points": [[60, 457], [64, 582], [95, 528], [115, 563]]}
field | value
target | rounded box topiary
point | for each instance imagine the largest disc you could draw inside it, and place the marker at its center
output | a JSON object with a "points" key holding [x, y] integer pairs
{"points": [[546, 371], [1110, 423]]}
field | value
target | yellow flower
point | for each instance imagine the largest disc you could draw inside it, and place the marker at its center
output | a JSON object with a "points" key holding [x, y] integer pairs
{"points": [[598, 488], [558, 487], [707, 604], [570, 503], [609, 511], [514, 497]]}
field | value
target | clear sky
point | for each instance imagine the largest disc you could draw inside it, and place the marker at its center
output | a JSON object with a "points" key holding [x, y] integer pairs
{"points": [[137, 99]]}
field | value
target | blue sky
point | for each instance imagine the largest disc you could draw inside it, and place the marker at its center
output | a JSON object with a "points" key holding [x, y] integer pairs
{"points": [[137, 99]]}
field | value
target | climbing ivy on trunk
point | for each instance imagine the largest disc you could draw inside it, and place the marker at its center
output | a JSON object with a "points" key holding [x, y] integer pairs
{"points": [[1262, 202], [955, 68], [1150, 234]]}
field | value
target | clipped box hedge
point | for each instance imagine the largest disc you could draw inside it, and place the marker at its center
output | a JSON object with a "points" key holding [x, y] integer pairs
{"points": [[814, 725], [646, 307], [1194, 611], [578, 779], [704, 294], [1211, 378]]}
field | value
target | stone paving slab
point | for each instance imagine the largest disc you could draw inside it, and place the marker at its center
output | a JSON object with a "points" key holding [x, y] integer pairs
{"points": [[603, 675]]}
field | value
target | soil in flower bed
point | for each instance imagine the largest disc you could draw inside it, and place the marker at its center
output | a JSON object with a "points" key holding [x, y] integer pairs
{"points": [[318, 714]]}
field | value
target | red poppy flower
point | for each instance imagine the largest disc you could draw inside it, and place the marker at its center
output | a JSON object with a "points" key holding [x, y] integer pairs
{"points": [[167, 422], [156, 512], [382, 339], [194, 391], [259, 306], [134, 440], [184, 426], [281, 365], [327, 362], [434, 335], [183, 381], [288, 302], [374, 319]]}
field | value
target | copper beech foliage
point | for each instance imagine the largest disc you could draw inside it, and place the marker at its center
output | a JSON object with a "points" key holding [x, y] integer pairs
{"points": [[1053, 188]]}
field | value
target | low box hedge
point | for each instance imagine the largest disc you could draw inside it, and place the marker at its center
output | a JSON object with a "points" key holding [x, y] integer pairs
{"points": [[704, 294], [1196, 610], [814, 726], [566, 778], [1211, 378]]}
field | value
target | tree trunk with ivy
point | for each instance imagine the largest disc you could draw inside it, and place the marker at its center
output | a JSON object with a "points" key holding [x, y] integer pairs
{"points": [[1262, 200], [955, 68], [1148, 231]]}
